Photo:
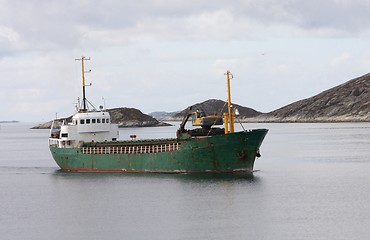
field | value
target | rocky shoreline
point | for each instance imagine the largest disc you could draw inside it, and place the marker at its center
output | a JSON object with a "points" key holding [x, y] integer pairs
{"points": [[124, 117], [348, 102]]}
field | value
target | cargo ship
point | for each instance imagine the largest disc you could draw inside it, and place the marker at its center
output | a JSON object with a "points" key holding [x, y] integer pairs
{"points": [[90, 143]]}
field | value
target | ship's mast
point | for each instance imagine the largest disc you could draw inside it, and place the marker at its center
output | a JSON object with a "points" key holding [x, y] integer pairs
{"points": [[83, 59], [229, 116]]}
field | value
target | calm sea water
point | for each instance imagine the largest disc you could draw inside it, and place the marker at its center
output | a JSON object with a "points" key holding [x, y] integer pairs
{"points": [[313, 182]]}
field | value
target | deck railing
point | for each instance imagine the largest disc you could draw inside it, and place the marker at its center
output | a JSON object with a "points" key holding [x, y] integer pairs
{"points": [[132, 149]]}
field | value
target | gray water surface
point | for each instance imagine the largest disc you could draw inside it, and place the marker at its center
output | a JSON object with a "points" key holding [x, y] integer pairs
{"points": [[312, 182]]}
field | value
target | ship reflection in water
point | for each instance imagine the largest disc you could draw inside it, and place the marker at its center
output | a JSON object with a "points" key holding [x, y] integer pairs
{"points": [[195, 177]]}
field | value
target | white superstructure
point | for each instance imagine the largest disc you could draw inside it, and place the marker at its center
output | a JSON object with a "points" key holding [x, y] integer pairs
{"points": [[86, 127]]}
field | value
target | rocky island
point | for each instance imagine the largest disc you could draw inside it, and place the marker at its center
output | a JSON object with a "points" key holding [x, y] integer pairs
{"points": [[124, 117], [210, 107], [348, 102]]}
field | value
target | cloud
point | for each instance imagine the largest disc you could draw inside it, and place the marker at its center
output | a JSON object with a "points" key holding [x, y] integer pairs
{"points": [[340, 60], [335, 16], [175, 52], [45, 25], [8, 35]]}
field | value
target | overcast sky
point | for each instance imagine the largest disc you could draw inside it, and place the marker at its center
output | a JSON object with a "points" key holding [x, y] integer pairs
{"points": [[164, 55]]}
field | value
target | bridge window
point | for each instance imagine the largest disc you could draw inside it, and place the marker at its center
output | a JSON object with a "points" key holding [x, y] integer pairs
{"points": [[93, 120], [82, 121], [103, 120], [64, 134], [107, 120], [87, 121], [98, 120]]}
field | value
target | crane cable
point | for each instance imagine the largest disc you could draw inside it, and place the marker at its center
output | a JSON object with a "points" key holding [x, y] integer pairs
{"points": [[219, 114]]}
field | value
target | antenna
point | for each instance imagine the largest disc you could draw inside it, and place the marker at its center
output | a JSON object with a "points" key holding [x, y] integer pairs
{"points": [[83, 59]]}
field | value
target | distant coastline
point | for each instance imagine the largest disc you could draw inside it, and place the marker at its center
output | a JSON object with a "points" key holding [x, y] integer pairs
{"points": [[347, 102], [12, 121]]}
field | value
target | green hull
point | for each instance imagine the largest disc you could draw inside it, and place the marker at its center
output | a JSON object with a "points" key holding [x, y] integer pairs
{"points": [[234, 152]]}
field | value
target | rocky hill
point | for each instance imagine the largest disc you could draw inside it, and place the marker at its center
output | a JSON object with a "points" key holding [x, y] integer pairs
{"points": [[132, 117], [348, 102], [212, 107], [124, 117], [163, 115]]}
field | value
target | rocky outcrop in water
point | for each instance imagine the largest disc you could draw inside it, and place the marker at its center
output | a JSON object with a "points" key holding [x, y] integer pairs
{"points": [[210, 107], [348, 102], [132, 117], [124, 117]]}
